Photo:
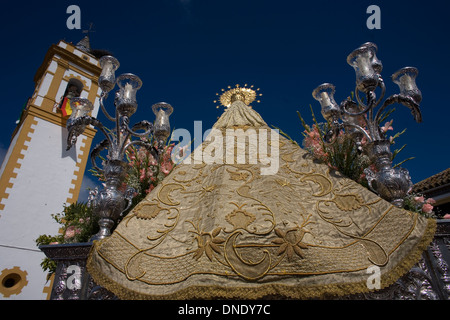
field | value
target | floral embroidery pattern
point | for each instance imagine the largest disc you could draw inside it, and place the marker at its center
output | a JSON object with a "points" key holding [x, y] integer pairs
{"points": [[207, 242], [290, 242]]}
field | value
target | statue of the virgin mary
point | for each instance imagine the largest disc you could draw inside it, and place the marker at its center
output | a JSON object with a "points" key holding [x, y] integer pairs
{"points": [[224, 228]]}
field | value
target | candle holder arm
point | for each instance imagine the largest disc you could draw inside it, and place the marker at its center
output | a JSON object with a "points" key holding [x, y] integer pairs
{"points": [[404, 100], [154, 152], [145, 125], [371, 96], [78, 126], [96, 152], [103, 96], [332, 134]]}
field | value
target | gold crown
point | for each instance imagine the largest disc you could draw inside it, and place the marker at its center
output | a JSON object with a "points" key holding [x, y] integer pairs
{"points": [[245, 94]]}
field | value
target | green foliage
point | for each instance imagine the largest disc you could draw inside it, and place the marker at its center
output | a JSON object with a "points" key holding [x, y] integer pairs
{"points": [[346, 158], [78, 224], [343, 155]]}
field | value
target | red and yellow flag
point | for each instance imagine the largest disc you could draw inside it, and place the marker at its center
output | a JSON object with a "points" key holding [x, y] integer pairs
{"points": [[65, 107]]}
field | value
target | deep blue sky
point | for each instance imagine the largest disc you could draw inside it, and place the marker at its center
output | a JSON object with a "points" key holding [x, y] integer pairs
{"points": [[187, 50]]}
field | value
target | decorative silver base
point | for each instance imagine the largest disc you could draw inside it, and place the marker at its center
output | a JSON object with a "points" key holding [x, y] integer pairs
{"points": [[105, 229]]}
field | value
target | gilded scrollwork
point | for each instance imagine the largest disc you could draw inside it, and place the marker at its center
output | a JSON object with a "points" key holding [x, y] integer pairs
{"points": [[242, 266], [304, 227]]}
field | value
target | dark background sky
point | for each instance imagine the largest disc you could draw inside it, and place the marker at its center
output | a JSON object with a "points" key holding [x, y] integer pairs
{"points": [[185, 51]]}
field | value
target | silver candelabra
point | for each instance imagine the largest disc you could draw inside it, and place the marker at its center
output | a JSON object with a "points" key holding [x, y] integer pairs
{"points": [[109, 203], [359, 120]]}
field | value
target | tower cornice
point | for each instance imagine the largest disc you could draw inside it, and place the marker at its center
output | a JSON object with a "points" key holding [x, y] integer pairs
{"points": [[55, 118], [68, 56]]}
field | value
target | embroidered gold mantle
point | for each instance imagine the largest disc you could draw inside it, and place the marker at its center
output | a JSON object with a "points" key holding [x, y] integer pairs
{"points": [[227, 231]]}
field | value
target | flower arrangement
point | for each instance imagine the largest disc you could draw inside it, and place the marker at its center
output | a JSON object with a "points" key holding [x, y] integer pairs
{"points": [[78, 221], [344, 156], [420, 204], [78, 224]]}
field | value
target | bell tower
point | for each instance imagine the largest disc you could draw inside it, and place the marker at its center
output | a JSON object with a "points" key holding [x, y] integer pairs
{"points": [[38, 176]]}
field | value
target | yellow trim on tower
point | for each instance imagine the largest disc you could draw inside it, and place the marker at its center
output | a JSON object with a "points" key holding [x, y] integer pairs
{"points": [[48, 288], [13, 160]]}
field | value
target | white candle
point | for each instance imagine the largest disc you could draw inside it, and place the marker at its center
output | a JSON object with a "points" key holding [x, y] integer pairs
{"points": [[128, 91], [407, 83], [364, 65], [107, 70], [325, 100]]}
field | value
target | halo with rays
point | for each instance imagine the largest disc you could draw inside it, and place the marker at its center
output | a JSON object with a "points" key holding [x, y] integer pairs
{"points": [[245, 94]]}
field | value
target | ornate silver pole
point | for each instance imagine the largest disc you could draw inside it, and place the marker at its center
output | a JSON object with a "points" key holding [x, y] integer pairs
{"points": [[109, 203], [359, 121]]}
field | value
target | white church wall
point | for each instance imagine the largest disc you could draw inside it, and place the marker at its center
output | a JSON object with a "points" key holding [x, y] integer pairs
{"points": [[44, 179]]}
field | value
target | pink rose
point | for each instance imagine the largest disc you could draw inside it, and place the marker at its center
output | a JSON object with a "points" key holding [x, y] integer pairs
{"points": [[431, 201], [419, 199], [71, 231], [447, 216], [427, 208]]}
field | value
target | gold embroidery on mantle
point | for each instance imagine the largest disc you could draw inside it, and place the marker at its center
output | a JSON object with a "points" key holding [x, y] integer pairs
{"points": [[303, 231], [229, 250], [321, 180], [208, 242], [240, 218], [164, 193], [247, 269]]}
